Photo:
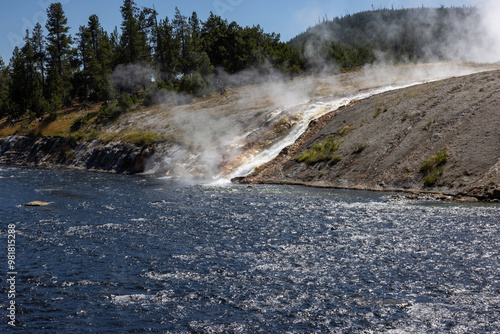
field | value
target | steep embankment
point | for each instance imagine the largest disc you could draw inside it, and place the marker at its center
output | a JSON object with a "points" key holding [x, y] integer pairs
{"points": [[442, 137], [66, 152]]}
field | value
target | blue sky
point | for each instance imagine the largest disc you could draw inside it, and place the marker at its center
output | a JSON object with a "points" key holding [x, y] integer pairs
{"points": [[287, 18]]}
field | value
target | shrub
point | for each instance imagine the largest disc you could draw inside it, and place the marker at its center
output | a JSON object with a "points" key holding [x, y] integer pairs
{"points": [[55, 104], [125, 101], [193, 84], [359, 148], [322, 152], [428, 125], [431, 179], [109, 111], [283, 125], [379, 111], [68, 154], [81, 121], [432, 167], [437, 160], [345, 130]]}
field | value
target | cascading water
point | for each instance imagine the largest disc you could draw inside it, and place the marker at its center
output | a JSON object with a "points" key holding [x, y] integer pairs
{"points": [[309, 112], [216, 160]]}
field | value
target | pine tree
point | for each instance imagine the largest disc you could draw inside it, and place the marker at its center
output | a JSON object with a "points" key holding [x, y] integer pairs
{"points": [[18, 102], [38, 41], [37, 103], [59, 42], [4, 89], [25, 85], [84, 50], [170, 49], [60, 54], [133, 40], [95, 60], [114, 43], [197, 58], [29, 94], [102, 61], [182, 36], [156, 41], [148, 31], [214, 35], [195, 30]]}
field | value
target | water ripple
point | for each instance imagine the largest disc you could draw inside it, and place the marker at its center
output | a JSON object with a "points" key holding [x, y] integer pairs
{"points": [[156, 257]]}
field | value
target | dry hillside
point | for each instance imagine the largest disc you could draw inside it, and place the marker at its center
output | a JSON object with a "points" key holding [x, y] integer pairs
{"points": [[441, 137]]}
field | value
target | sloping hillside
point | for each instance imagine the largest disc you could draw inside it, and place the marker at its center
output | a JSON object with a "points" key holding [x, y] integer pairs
{"points": [[394, 35], [441, 137]]}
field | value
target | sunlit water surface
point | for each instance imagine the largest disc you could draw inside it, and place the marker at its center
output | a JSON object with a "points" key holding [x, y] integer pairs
{"points": [[122, 254]]}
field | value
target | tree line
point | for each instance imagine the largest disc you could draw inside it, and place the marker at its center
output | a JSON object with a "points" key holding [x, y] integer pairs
{"points": [[147, 54], [184, 54]]}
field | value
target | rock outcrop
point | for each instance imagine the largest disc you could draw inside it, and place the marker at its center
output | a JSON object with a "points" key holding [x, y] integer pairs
{"points": [[37, 203], [115, 157]]}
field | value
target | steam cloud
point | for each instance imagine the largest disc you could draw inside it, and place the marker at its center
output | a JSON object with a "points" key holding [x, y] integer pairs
{"points": [[132, 76], [208, 135], [490, 24]]}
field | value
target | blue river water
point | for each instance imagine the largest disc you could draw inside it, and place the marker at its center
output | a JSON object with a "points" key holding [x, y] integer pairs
{"points": [[128, 254]]}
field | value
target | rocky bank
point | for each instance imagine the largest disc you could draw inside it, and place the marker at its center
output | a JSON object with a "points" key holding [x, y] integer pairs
{"points": [[115, 157], [385, 142], [391, 141]]}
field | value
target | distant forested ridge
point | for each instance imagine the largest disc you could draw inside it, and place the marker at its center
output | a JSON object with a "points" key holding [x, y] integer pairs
{"points": [[418, 34], [148, 54]]}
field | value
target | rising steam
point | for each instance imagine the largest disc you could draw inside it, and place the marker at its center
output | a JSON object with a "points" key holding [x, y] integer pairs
{"points": [[227, 135]]}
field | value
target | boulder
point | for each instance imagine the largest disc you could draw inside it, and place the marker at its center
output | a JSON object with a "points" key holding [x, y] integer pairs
{"points": [[37, 203]]}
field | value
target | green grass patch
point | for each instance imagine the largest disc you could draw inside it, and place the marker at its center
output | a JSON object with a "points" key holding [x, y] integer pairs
{"points": [[428, 124], [139, 138], [359, 148], [379, 111], [87, 135], [345, 130], [81, 121], [142, 138], [432, 168], [322, 152]]}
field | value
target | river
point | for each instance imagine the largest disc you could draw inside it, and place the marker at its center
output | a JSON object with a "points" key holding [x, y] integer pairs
{"points": [[131, 254]]}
